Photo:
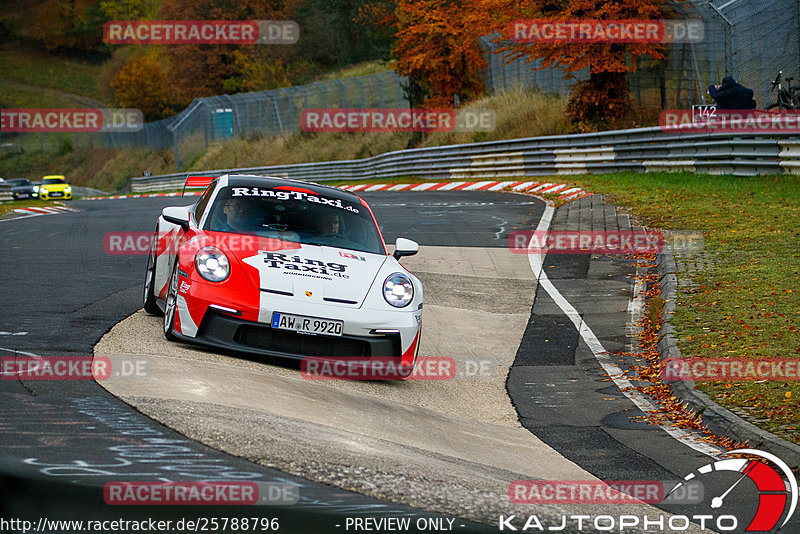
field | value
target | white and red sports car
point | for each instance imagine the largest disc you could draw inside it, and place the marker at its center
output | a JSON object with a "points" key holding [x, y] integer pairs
{"points": [[282, 268]]}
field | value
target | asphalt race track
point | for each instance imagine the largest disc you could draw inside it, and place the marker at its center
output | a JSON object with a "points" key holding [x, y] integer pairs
{"points": [[529, 400]]}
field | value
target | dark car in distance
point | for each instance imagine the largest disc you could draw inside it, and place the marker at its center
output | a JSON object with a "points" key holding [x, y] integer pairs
{"points": [[22, 189]]}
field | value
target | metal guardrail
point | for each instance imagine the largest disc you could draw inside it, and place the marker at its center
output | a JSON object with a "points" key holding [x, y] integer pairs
{"points": [[5, 193], [637, 150]]}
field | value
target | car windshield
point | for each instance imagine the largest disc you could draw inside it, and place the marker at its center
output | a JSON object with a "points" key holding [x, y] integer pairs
{"points": [[19, 182], [295, 214], [53, 181]]}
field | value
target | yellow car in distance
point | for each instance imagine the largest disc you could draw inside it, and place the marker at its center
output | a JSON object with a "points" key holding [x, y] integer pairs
{"points": [[55, 187]]}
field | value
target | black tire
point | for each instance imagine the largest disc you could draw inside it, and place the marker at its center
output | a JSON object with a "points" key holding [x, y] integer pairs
{"points": [[150, 303], [171, 305]]}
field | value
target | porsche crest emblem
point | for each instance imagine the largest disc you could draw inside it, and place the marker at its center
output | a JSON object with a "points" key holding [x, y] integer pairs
{"points": [[308, 293]]}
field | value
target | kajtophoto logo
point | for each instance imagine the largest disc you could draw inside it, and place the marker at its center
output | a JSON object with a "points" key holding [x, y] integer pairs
{"points": [[767, 485], [766, 482]]}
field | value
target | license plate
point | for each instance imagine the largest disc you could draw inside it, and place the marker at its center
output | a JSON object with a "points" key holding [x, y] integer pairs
{"points": [[56, 194], [307, 325]]}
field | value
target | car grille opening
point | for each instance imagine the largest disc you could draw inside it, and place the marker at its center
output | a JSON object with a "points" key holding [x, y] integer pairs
{"points": [[290, 342]]}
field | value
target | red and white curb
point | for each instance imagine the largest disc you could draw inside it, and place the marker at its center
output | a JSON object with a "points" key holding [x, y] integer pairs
{"points": [[44, 210], [563, 190]]}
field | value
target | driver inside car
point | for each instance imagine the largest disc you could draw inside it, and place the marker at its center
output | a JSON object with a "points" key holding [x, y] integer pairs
{"points": [[241, 215], [329, 224]]}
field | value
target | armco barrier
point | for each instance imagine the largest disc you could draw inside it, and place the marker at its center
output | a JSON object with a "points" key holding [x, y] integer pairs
{"points": [[5, 193], [637, 150]]}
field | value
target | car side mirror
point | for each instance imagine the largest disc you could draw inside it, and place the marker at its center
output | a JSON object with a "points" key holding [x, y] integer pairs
{"points": [[177, 215], [404, 247]]}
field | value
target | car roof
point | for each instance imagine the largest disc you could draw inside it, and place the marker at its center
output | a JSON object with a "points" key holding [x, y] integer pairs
{"points": [[247, 180], [54, 176]]}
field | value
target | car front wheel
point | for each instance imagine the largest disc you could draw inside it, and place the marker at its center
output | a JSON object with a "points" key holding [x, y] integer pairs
{"points": [[149, 302], [172, 304]]}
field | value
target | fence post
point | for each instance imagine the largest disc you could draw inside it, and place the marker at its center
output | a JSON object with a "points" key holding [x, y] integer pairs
{"points": [[175, 151], [380, 84], [344, 92], [361, 87], [277, 113], [399, 88]]}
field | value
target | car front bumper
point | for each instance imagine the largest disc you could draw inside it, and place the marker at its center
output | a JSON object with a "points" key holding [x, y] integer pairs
{"points": [[365, 332], [55, 195]]}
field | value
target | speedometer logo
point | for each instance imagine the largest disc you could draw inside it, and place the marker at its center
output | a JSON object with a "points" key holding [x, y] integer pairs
{"points": [[768, 479]]}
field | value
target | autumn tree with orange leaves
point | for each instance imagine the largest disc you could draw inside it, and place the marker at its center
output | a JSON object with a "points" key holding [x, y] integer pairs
{"points": [[603, 98], [438, 46], [197, 70], [142, 83]]}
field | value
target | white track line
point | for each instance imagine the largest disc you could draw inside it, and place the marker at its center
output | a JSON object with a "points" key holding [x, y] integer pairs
{"points": [[614, 372]]}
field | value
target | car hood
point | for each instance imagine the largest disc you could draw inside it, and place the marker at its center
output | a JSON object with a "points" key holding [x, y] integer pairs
{"points": [[312, 273]]}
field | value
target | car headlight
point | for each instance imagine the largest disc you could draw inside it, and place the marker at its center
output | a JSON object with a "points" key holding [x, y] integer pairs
{"points": [[398, 290], [68, 189], [35, 189], [212, 264], [43, 190]]}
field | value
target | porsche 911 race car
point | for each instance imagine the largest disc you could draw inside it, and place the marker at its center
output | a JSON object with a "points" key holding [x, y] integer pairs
{"points": [[282, 268]]}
